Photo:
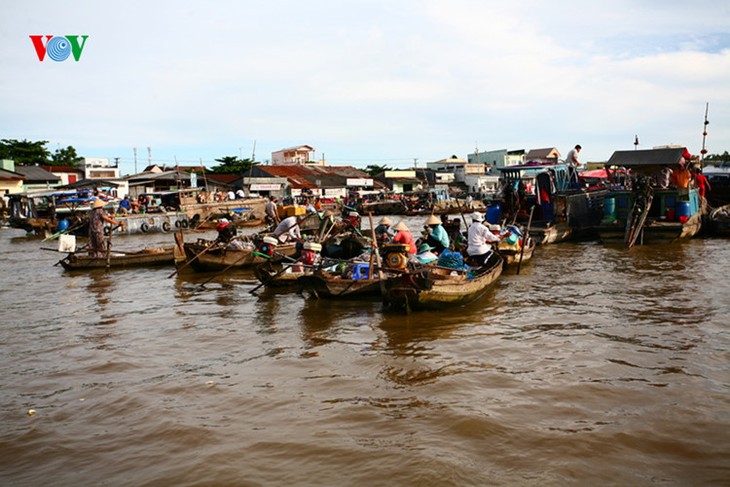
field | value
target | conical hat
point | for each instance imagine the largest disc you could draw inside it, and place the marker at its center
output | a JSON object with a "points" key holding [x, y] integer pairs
{"points": [[385, 221], [433, 220], [400, 226], [98, 203]]}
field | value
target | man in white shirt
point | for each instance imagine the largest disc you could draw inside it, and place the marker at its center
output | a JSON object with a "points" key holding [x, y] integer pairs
{"points": [[572, 158], [479, 239], [288, 230]]}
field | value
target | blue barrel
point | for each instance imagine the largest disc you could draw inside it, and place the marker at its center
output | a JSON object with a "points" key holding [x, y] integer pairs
{"points": [[682, 209], [62, 225], [493, 213], [609, 207]]}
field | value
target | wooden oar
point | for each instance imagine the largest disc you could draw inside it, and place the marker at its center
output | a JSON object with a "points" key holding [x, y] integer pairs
{"points": [[263, 283], [458, 204], [109, 245], [208, 247], [525, 239]]}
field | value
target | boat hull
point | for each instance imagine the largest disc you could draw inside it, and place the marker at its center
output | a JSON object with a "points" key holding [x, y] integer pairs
{"points": [[159, 257], [324, 284], [224, 258], [427, 288]]}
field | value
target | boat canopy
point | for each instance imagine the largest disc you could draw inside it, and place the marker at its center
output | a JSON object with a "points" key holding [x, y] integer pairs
{"points": [[648, 158]]}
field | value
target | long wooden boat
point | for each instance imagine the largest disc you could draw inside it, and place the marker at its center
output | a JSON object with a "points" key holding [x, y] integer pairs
{"points": [[218, 258], [436, 287], [324, 284], [147, 257], [646, 214]]}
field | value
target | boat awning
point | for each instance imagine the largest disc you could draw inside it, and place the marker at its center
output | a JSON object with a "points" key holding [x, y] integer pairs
{"points": [[648, 157]]}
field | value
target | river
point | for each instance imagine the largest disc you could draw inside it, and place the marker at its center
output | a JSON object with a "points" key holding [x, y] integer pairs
{"points": [[594, 366]]}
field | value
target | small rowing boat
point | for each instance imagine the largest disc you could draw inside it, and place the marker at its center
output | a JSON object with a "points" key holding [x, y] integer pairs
{"points": [[438, 287], [146, 257]]}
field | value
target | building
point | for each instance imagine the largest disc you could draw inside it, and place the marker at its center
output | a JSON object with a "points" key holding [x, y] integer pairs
{"points": [[547, 156], [302, 154], [10, 181], [68, 174], [498, 158], [400, 181], [36, 178], [308, 180]]}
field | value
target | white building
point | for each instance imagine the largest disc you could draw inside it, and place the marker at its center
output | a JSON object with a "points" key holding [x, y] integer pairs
{"points": [[301, 154], [498, 158]]}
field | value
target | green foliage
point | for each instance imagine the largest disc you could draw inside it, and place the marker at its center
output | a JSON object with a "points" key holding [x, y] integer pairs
{"points": [[232, 165], [374, 169], [24, 152], [27, 153], [65, 157], [722, 159]]}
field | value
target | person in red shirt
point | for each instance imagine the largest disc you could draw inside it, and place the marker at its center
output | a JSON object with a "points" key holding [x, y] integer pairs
{"points": [[404, 236], [703, 185]]}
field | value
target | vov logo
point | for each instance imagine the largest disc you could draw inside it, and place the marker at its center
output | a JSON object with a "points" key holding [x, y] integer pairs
{"points": [[58, 48]]}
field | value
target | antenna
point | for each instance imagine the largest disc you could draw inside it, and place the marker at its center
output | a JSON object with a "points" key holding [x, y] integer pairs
{"points": [[253, 153], [704, 134], [135, 160], [636, 142]]}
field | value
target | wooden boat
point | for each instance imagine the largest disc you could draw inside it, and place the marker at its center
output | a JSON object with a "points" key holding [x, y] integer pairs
{"points": [[718, 222], [512, 254], [271, 276], [438, 287], [325, 284], [643, 213], [146, 257], [564, 209], [218, 257], [382, 207]]}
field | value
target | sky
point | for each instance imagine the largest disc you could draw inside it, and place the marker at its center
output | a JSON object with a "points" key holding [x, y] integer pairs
{"points": [[393, 82]]}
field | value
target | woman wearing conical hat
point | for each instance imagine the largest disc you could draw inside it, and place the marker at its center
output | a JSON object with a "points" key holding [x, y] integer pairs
{"points": [[383, 233], [404, 236], [437, 236], [97, 217]]}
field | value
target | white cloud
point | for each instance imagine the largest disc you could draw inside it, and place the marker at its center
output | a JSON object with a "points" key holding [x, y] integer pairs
{"points": [[373, 80]]}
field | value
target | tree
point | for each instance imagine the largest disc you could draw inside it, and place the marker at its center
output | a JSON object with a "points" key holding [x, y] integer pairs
{"points": [[374, 169], [65, 157], [232, 165], [24, 152], [720, 159]]}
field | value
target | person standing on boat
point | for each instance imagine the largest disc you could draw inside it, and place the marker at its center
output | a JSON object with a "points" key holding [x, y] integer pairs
{"points": [[97, 218], [125, 206], [271, 211], [479, 239], [405, 237], [701, 181], [573, 164], [437, 236]]}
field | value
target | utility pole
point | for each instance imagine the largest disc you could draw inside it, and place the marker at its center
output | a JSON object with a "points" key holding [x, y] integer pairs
{"points": [[149, 155], [135, 160]]}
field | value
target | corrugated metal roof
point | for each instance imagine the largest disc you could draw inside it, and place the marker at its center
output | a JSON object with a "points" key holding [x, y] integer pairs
{"points": [[36, 174], [646, 157], [10, 175], [302, 177]]}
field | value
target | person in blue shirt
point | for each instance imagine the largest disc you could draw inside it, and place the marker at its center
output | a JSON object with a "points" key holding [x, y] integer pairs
{"points": [[437, 236], [125, 206]]}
